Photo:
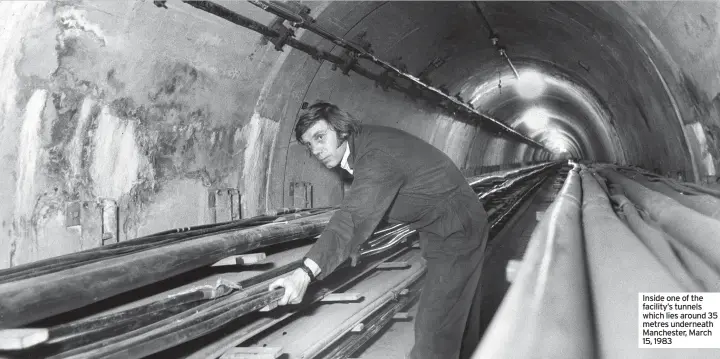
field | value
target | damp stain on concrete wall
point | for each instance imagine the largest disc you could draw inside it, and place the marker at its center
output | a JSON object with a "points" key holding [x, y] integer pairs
{"points": [[28, 158], [116, 157], [259, 137], [117, 103]]}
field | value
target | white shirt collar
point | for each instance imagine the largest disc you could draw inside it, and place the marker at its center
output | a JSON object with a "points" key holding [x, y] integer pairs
{"points": [[344, 163]]}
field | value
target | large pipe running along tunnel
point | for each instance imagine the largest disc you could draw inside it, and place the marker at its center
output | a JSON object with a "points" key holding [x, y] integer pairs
{"points": [[152, 185]]}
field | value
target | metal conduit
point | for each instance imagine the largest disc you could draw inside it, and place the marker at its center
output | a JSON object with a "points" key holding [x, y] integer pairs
{"points": [[304, 21], [547, 313], [703, 189], [556, 308], [700, 202], [659, 242], [22, 305], [31, 299], [503, 175], [512, 182], [620, 266], [697, 231], [495, 39]]}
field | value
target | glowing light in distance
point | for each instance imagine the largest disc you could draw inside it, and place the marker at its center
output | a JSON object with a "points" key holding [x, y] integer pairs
{"points": [[555, 142], [535, 118], [530, 84]]}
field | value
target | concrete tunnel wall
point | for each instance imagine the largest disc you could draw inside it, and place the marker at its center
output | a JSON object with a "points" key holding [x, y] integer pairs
{"points": [[156, 109]]}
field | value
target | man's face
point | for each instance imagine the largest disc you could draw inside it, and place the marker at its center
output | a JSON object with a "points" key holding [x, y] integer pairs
{"points": [[322, 141]]}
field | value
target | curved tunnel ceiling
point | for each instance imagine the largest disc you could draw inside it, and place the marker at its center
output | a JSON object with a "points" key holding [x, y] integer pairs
{"points": [[152, 106], [587, 59]]}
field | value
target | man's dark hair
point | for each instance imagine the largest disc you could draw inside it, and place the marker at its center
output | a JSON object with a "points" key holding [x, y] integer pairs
{"points": [[342, 122]]}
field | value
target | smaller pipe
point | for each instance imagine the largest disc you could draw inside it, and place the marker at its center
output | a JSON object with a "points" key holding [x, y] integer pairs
{"points": [[496, 222], [503, 175], [547, 310], [697, 231], [495, 38], [620, 267], [485, 20], [504, 54], [511, 183], [659, 243], [29, 300], [700, 202], [362, 53]]}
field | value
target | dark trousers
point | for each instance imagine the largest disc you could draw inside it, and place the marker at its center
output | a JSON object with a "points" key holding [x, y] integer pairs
{"points": [[445, 326]]}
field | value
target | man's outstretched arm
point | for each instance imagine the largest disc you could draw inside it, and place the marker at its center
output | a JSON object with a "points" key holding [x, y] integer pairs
{"points": [[377, 180]]}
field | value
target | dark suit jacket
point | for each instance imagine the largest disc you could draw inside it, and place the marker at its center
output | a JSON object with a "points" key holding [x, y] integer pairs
{"points": [[401, 176]]}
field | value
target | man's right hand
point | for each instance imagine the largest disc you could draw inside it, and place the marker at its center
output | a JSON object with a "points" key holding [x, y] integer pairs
{"points": [[295, 286]]}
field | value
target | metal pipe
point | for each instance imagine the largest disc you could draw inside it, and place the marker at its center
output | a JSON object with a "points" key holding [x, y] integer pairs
{"points": [[547, 312], [495, 38], [511, 183], [32, 299], [620, 267], [504, 54], [510, 211], [136, 245], [700, 202], [67, 338], [658, 242], [703, 189], [697, 231], [503, 175], [205, 318], [309, 24], [695, 264]]}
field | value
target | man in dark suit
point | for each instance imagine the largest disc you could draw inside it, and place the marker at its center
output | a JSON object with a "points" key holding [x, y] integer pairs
{"points": [[401, 176]]}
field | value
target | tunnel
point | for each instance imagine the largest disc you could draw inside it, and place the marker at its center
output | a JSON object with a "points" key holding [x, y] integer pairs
{"points": [[129, 120]]}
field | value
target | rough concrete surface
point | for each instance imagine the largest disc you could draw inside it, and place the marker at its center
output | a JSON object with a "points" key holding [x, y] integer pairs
{"points": [[155, 108]]}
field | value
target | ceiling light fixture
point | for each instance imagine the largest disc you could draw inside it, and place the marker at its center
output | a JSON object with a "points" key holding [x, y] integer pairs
{"points": [[535, 118], [555, 141], [530, 84]]}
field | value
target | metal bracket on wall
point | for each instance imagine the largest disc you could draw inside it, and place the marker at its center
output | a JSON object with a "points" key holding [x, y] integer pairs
{"points": [[224, 205], [110, 221], [97, 221], [72, 214], [301, 194], [350, 57]]}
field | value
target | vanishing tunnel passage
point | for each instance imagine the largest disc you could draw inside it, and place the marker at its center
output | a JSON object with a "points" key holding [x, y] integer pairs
{"points": [[153, 184]]}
